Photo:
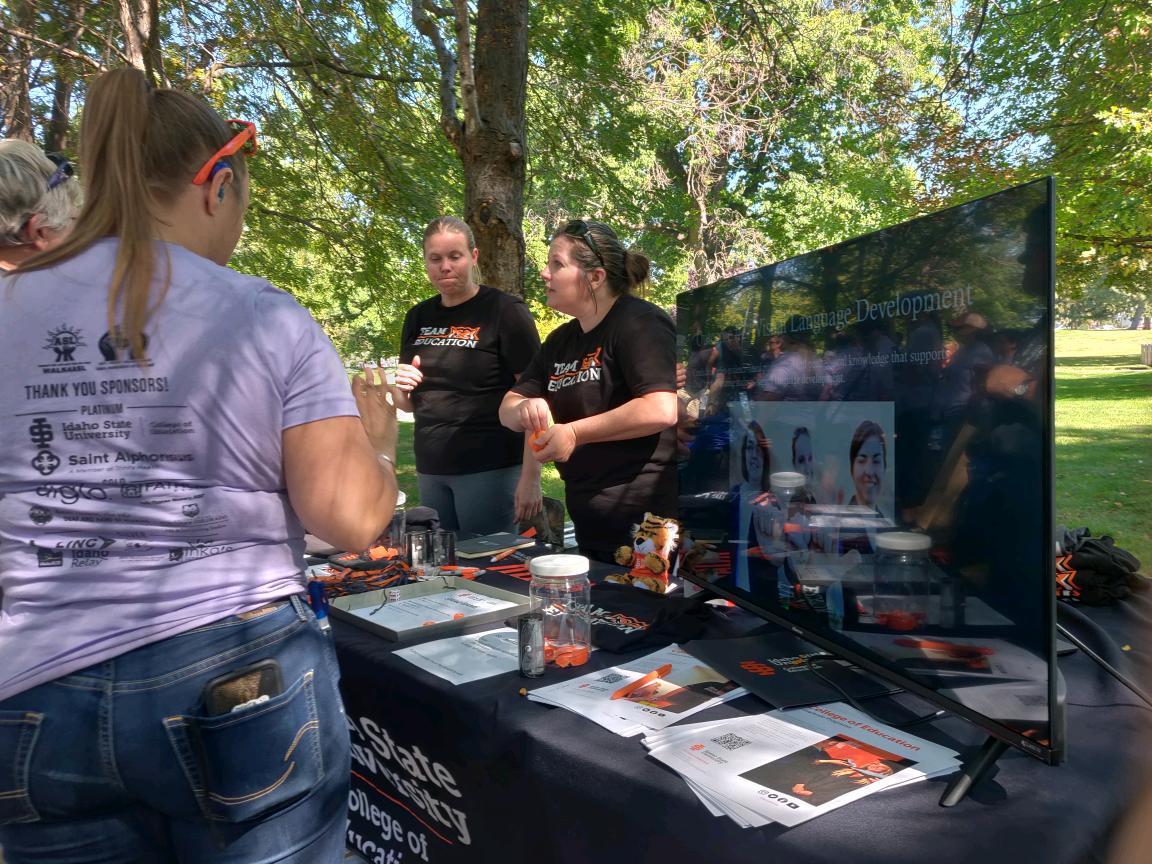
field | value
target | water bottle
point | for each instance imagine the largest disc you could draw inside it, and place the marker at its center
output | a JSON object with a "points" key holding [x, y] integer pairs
{"points": [[560, 590]]}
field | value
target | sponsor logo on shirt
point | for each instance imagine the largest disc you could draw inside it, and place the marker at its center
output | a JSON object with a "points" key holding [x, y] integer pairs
{"points": [[69, 493], [198, 550], [94, 543], [63, 342], [448, 337], [577, 372], [117, 350], [46, 462], [49, 558], [41, 432], [40, 515]]}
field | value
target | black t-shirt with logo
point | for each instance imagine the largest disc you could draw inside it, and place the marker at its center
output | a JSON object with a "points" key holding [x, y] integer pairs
{"points": [[631, 353], [470, 355]]}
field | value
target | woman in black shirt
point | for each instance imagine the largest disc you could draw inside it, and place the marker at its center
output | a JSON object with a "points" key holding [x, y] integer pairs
{"points": [[607, 380], [460, 351]]}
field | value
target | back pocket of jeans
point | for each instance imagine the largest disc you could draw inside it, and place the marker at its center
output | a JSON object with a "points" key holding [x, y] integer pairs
{"points": [[18, 733], [250, 763]]}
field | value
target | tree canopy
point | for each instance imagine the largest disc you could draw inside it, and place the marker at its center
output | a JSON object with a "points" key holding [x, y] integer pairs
{"points": [[716, 137]]}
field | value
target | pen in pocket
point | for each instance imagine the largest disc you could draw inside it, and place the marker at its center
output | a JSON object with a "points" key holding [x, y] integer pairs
{"points": [[319, 602]]}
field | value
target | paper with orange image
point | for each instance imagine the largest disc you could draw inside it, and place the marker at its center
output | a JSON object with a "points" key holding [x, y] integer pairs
{"points": [[647, 693]]}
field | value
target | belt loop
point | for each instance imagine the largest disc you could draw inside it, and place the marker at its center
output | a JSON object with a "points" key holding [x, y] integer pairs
{"points": [[303, 611]]}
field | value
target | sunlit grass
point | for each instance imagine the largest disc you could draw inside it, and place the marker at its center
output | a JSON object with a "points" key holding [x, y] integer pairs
{"points": [[1104, 436]]}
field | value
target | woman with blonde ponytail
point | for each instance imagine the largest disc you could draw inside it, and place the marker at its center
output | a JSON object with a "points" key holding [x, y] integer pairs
{"points": [[170, 426]]}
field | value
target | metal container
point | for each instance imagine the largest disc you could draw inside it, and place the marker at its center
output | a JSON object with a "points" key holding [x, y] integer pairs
{"points": [[531, 633]]}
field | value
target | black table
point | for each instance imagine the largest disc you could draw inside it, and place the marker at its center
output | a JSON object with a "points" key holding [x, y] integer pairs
{"points": [[445, 773]]}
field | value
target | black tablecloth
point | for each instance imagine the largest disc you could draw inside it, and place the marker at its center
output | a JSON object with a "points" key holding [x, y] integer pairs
{"points": [[445, 773]]}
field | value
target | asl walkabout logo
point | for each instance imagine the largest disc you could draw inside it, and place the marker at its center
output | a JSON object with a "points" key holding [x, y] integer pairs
{"points": [[63, 342]]}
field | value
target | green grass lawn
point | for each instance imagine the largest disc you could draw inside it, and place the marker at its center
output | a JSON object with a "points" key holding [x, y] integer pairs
{"points": [[1104, 436], [1103, 439]]}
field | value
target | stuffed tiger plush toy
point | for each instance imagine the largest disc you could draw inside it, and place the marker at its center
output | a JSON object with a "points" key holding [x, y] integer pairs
{"points": [[650, 555]]}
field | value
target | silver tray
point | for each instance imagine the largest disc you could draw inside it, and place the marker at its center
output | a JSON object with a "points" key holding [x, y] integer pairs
{"points": [[345, 608]]}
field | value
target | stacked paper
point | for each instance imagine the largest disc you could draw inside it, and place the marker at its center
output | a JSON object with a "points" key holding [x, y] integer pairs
{"points": [[644, 694], [792, 766]]}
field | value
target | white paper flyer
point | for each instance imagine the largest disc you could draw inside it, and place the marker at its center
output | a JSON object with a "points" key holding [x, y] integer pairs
{"points": [[461, 659]]}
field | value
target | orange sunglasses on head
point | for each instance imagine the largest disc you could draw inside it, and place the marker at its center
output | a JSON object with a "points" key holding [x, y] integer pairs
{"points": [[244, 142]]}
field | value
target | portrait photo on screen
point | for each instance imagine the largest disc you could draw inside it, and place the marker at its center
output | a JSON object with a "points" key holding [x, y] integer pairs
{"points": [[792, 463]]}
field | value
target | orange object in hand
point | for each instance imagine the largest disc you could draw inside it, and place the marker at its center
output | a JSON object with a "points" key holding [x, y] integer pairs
{"points": [[532, 440]]}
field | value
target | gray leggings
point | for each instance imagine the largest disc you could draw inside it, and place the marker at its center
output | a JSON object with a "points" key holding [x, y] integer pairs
{"points": [[481, 503]]}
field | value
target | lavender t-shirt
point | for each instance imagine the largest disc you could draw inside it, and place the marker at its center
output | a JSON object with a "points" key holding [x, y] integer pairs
{"points": [[142, 501]]}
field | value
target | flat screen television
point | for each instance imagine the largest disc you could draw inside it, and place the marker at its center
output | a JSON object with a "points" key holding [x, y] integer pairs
{"points": [[871, 463]]}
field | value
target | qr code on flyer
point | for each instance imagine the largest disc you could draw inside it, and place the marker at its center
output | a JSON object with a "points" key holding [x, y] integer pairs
{"points": [[731, 741], [611, 678]]}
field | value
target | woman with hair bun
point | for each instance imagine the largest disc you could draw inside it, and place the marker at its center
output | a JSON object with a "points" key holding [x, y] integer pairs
{"points": [[39, 200], [170, 426], [600, 397]]}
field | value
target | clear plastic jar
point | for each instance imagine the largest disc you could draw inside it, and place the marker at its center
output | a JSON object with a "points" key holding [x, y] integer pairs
{"points": [[393, 536], [902, 580], [788, 490], [560, 590]]}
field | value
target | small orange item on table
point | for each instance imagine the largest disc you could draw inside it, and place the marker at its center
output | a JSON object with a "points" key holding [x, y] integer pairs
{"points": [[567, 655]]}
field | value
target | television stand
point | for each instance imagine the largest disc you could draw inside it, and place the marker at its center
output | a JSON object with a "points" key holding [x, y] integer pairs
{"points": [[973, 771]]}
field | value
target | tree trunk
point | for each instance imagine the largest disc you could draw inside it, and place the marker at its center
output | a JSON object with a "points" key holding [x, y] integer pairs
{"points": [[14, 95], [140, 21], [56, 134], [1138, 316], [492, 151]]}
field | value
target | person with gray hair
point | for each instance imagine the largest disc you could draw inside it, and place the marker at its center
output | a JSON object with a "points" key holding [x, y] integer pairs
{"points": [[39, 200]]}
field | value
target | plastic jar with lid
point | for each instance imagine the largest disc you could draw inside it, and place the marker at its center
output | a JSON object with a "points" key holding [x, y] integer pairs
{"points": [[788, 489], [560, 590], [902, 580]]}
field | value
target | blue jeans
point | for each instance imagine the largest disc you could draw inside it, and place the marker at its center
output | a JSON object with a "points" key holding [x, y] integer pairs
{"points": [[480, 503], [119, 763]]}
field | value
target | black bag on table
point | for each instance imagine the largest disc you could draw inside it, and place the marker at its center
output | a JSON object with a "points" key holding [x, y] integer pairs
{"points": [[1094, 570]]}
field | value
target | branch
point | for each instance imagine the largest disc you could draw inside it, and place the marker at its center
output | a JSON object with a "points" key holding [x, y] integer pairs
{"points": [[955, 76], [1136, 242], [299, 220], [63, 51], [467, 75], [319, 61], [428, 28]]}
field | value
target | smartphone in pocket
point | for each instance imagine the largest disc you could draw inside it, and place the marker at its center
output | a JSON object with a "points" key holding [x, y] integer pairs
{"points": [[229, 691]]}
